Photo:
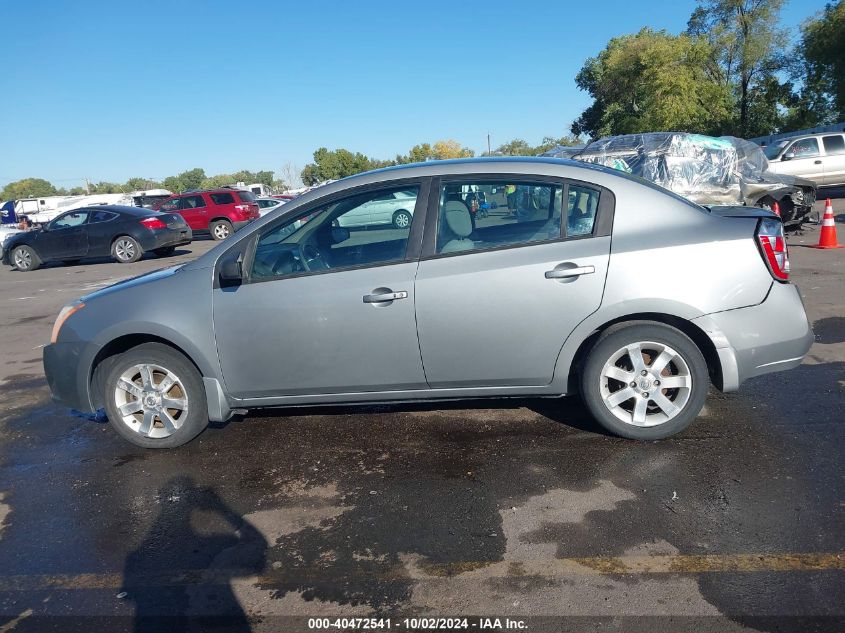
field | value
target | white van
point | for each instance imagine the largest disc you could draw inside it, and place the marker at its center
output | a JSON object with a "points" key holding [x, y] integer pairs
{"points": [[819, 157]]}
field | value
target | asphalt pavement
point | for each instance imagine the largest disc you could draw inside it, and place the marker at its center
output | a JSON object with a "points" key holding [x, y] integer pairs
{"points": [[510, 509]]}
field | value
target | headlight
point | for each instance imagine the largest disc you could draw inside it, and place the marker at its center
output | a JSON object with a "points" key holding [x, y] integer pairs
{"points": [[63, 316]]}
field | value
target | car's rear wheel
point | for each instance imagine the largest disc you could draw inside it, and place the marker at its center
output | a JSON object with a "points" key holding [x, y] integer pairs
{"points": [[25, 259], [166, 251], [154, 397], [402, 219], [221, 229], [644, 381], [126, 249]]}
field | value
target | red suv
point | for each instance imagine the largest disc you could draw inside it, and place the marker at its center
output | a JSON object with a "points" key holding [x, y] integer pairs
{"points": [[221, 212]]}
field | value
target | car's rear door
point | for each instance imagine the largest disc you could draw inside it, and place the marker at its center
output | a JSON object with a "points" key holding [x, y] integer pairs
{"points": [[323, 309], [834, 159], [494, 307]]}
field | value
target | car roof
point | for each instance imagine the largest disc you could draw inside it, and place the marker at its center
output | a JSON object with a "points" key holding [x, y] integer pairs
{"points": [[116, 208]]}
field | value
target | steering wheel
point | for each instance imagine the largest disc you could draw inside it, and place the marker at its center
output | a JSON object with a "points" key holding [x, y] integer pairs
{"points": [[311, 258]]}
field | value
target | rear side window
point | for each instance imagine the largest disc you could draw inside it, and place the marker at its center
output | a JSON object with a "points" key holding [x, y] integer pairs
{"points": [[483, 215], [581, 208], [222, 198], [834, 144], [191, 202], [101, 216], [246, 196]]}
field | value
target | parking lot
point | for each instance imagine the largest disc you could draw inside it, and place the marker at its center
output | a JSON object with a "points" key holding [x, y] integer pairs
{"points": [[518, 508]]}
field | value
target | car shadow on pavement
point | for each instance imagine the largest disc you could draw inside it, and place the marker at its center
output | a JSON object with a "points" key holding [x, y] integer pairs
{"points": [[224, 548]]}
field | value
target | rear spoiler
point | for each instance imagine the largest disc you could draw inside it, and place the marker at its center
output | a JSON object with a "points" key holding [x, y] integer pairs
{"points": [[741, 212]]}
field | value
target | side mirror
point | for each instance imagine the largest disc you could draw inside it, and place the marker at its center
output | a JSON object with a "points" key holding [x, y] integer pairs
{"points": [[231, 270], [339, 234], [788, 156]]}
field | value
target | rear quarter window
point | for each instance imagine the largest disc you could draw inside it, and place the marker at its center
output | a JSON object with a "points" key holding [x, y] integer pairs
{"points": [[834, 144], [246, 196]]}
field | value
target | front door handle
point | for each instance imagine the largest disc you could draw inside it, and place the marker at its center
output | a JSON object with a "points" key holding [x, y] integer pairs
{"points": [[563, 273], [817, 162], [384, 297]]}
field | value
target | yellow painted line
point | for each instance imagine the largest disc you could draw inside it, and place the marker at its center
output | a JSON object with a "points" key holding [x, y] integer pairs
{"points": [[548, 568]]}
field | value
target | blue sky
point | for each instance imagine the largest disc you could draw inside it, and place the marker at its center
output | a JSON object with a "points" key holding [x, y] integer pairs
{"points": [[111, 90]]}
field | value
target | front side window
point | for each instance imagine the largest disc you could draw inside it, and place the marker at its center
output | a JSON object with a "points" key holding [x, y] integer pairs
{"points": [[75, 218], [834, 144], [170, 205], [805, 148], [366, 229], [477, 216], [222, 198], [191, 202]]}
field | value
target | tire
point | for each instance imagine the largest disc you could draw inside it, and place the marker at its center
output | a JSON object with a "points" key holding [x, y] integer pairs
{"points": [[126, 250], [660, 417], [220, 229], [24, 258], [167, 251], [402, 219], [146, 421]]}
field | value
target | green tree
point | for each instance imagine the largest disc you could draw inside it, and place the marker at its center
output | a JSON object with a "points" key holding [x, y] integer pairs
{"points": [[106, 187], [191, 179], [213, 182], [140, 184], [822, 50], [172, 183], [335, 164], [651, 81], [28, 188], [745, 58], [519, 147]]}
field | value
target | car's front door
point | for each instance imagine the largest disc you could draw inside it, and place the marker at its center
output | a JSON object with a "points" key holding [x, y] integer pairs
{"points": [[193, 209], [497, 299], [323, 309], [66, 237], [806, 160]]}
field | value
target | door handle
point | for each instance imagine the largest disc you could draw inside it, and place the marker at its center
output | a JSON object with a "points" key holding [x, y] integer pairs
{"points": [[817, 162], [384, 297], [563, 273]]}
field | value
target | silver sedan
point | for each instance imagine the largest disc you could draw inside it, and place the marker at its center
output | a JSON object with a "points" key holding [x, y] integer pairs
{"points": [[511, 277]]}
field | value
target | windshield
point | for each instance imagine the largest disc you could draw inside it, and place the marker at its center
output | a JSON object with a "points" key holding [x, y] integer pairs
{"points": [[772, 151]]}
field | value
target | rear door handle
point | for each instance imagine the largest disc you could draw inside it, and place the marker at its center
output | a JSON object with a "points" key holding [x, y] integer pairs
{"points": [[818, 162], [384, 297], [563, 273]]}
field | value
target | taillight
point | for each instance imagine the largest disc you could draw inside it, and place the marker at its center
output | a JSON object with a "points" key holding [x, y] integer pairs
{"points": [[772, 242], [153, 223]]}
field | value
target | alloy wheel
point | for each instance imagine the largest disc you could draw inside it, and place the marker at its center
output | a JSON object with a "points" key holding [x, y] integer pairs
{"points": [[151, 400], [125, 250], [645, 384], [221, 231], [23, 259]]}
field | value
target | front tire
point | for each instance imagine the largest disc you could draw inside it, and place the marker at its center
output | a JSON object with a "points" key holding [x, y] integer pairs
{"points": [[221, 229], [644, 381], [402, 220], [154, 397], [25, 259], [126, 250]]}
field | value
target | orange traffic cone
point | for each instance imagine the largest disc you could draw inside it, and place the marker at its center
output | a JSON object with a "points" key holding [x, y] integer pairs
{"points": [[827, 238], [776, 209]]}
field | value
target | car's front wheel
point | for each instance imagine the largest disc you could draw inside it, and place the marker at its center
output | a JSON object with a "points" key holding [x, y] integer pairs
{"points": [[402, 219], [644, 381], [25, 259], [154, 397], [126, 249]]}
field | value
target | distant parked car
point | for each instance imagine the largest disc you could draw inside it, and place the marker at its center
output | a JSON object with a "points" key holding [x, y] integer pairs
{"points": [[7, 231], [265, 205], [818, 157], [219, 212], [396, 208], [608, 286], [125, 233]]}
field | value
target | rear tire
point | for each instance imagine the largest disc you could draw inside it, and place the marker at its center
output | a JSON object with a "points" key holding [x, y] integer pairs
{"points": [[25, 259], [143, 394], [665, 389], [221, 229], [167, 251], [126, 250]]}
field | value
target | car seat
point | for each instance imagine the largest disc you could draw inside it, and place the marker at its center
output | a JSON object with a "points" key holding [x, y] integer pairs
{"points": [[459, 223]]}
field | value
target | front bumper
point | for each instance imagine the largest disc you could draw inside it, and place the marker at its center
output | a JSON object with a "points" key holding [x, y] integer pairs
{"points": [[772, 336], [64, 365]]}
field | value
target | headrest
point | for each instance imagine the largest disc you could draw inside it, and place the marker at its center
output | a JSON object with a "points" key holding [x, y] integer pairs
{"points": [[458, 218]]}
